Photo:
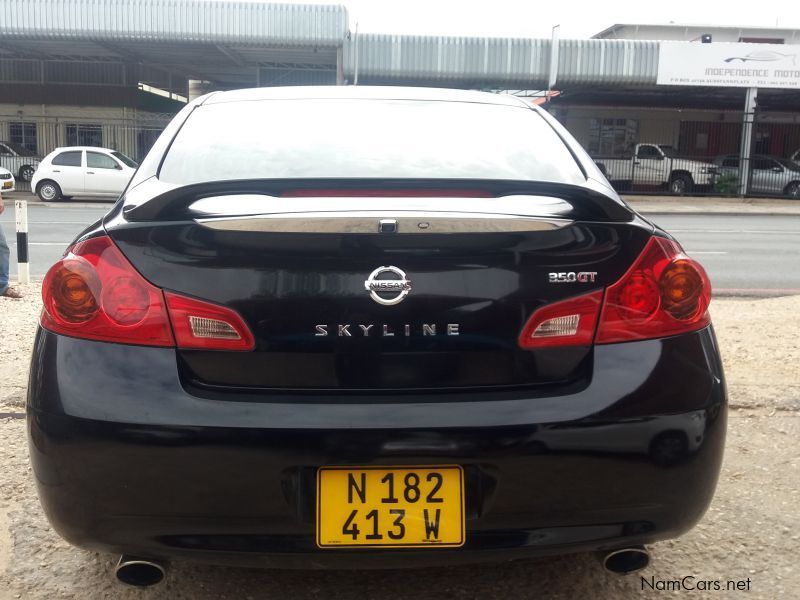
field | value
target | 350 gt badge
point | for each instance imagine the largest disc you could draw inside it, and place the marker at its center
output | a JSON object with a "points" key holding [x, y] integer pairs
{"points": [[572, 277], [387, 285]]}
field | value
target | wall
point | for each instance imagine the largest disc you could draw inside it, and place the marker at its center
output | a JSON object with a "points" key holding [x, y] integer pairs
{"points": [[691, 33], [128, 130], [661, 126]]}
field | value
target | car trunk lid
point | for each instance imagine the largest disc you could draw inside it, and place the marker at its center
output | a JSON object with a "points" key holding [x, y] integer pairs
{"points": [[368, 292]]}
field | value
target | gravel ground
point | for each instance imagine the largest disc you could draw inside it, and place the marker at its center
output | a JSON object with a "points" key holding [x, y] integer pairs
{"points": [[750, 535]]}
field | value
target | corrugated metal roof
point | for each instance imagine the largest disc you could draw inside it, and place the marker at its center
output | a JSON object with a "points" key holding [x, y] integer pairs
{"points": [[175, 20], [467, 60], [607, 62], [498, 61], [178, 34]]}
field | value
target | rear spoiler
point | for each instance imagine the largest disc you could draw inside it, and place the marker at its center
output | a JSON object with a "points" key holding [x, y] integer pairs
{"points": [[153, 200]]}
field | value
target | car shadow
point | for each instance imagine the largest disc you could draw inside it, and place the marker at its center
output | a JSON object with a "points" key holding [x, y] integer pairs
{"points": [[569, 576]]}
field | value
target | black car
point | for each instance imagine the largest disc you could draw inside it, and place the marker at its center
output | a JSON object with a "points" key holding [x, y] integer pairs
{"points": [[372, 327]]}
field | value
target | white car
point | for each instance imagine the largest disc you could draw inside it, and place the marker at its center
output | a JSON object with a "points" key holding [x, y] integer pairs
{"points": [[82, 171], [6, 180], [18, 159]]}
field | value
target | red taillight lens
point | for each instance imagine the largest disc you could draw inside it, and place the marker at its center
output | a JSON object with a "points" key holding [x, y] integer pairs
{"points": [[203, 325], [75, 288], [126, 302], [681, 289], [567, 323], [664, 293], [95, 293]]}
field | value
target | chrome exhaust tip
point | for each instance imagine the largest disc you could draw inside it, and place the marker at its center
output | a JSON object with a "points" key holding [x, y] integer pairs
{"points": [[140, 572], [625, 561]]}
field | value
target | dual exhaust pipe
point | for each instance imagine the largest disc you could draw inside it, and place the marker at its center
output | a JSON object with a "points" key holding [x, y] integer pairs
{"points": [[625, 561], [144, 572], [140, 572]]}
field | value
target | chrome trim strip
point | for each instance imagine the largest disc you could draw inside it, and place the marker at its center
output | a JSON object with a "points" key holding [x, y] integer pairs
{"points": [[369, 222]]}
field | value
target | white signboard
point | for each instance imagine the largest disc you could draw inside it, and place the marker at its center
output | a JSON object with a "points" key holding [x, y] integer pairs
{"points": [[729, 65]]}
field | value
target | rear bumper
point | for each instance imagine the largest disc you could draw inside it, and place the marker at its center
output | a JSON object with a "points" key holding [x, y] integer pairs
{"points": [[128, 461]]}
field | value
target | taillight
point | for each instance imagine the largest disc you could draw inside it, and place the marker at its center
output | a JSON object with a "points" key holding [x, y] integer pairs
{"points": [[570, 322], [95, 293], [664, 293], [202, 325]]}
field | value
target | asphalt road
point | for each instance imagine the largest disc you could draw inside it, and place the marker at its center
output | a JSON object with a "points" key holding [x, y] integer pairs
{"points": [[744, 254], [50, 230]]}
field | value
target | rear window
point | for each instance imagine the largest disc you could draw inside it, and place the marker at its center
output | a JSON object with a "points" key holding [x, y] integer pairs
{"points": [[68, 159], [125, 160], [100, 161], [394, 139]]}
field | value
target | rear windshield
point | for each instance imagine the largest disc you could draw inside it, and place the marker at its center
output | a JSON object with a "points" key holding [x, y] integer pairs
{"points": [[792, 166], [126, 160], [394, 139]]}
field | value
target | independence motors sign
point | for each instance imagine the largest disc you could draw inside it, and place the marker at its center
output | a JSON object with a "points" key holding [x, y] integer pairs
{"points": [[729, 65]]}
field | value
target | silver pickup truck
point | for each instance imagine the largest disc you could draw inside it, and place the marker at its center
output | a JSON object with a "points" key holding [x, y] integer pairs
{"points": [[658, 165]]}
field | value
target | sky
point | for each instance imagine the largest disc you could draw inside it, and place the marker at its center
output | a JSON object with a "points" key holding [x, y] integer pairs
{"points": [[535, 18]]}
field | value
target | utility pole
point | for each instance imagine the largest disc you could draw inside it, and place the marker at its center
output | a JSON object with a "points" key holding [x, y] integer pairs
{"points": [[746, 144]]}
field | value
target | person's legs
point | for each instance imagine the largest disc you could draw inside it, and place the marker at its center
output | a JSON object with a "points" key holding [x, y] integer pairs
{"points": [[4, 266]]}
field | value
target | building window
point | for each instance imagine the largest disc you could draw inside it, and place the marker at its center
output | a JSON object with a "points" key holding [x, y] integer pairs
{"points": [[612, 137], [84, 134], [145, 138], [23, 134]]}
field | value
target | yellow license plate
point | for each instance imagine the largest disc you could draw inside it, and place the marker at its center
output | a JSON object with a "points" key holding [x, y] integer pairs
{"points": [[6, 184], [413, 507]]}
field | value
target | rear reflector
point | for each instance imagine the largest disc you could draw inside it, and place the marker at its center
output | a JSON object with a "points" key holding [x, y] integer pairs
{"points": [[94, 293], [567, 323], [202, 325], [558, 326], [212, 328]]}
